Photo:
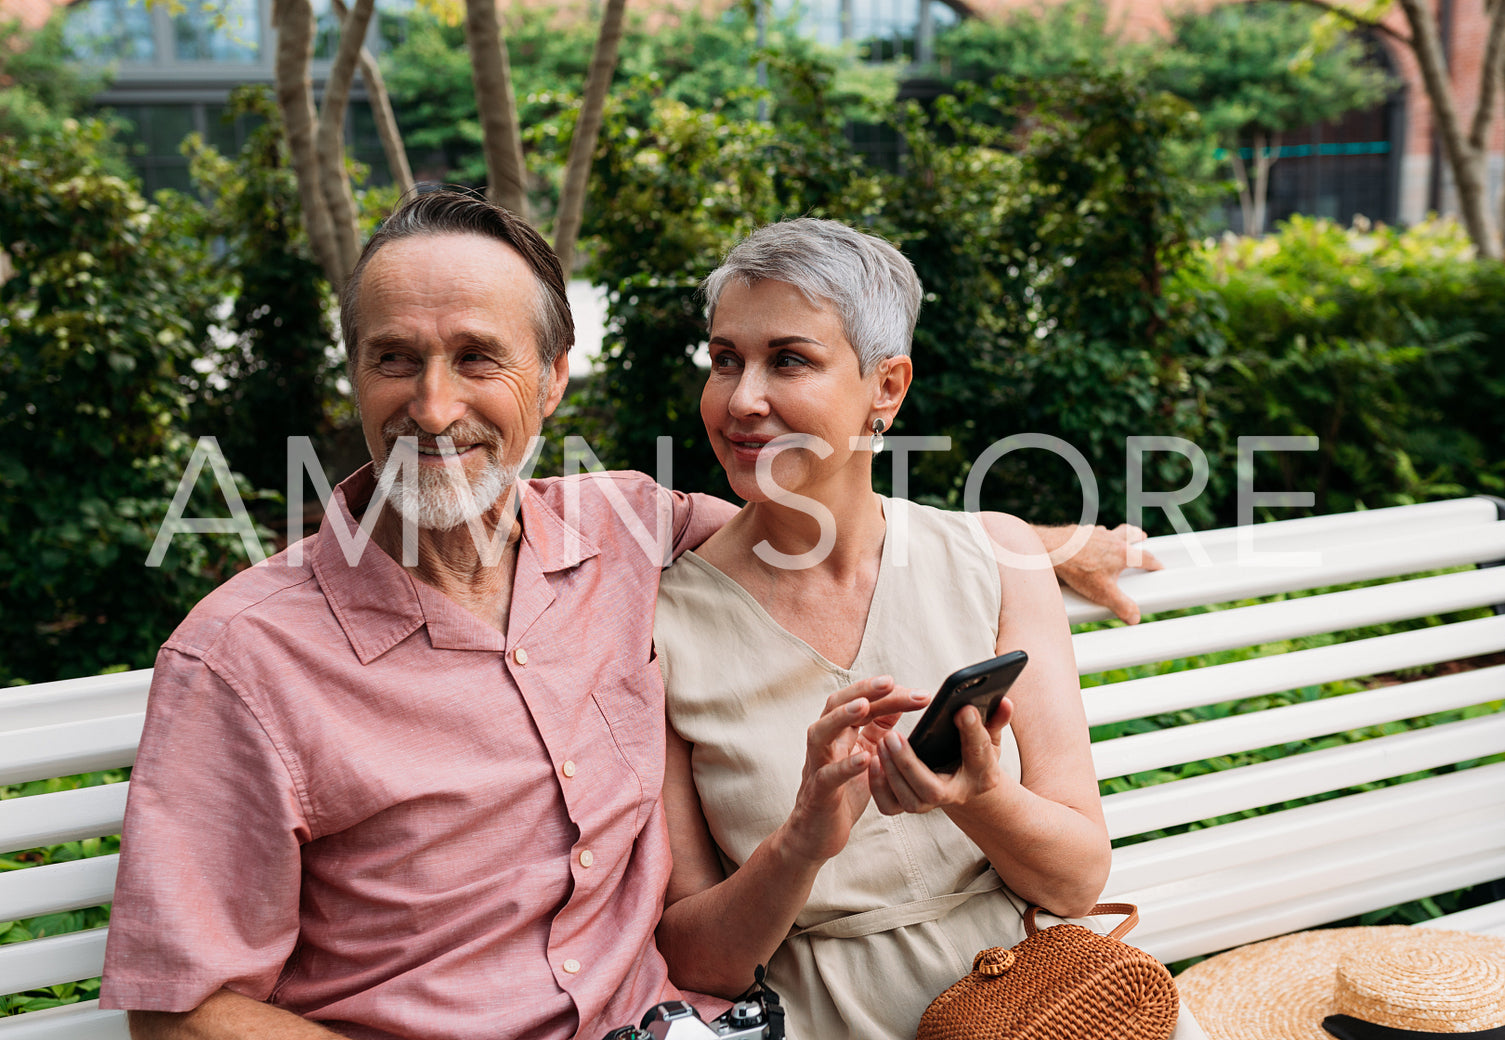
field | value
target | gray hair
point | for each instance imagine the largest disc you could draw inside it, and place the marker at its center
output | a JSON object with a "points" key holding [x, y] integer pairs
{"points": [[875, 290], [451, 212]]}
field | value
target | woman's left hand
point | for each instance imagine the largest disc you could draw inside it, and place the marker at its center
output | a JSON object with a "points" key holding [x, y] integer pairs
{"points": [[901, 783]]}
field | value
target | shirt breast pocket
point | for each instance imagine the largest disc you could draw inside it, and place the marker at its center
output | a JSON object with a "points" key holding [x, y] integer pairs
{"points": [[631, 705]]}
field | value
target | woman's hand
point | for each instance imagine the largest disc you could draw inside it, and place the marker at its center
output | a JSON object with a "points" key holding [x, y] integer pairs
{"points": [[839, 746], [900, 783]]}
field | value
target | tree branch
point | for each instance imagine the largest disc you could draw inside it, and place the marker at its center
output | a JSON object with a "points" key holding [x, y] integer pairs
{"points": [[1348, 16], [334, 178], [294, 21], [1491, 76], [381, 110], [587, 132], [501, 139]]}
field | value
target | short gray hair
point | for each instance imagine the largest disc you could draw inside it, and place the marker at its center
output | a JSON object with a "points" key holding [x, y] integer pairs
{"points": [[451, 212], [875, 290]]}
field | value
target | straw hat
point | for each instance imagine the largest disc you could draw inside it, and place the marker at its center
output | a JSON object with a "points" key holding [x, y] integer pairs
{"points": [[1424, 980]]}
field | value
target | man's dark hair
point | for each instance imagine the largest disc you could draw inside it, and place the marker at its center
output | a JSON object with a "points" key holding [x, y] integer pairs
{"points": [[449, 212]]}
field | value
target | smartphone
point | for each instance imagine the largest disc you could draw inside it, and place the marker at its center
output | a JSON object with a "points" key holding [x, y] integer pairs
{"points": [[935, 738]]}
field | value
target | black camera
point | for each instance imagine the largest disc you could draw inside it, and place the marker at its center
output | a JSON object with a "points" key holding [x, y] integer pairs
{"points": [[756, 1015]]}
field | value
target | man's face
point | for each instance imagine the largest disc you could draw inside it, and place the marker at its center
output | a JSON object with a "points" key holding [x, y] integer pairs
{"points": [[447, 349]]}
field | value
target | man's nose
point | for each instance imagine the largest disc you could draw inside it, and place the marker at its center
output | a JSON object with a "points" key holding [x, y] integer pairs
{"points": [[437, 403]]}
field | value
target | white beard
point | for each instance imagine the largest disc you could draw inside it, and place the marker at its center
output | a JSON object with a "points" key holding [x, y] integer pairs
{"points": [[446, 498]]}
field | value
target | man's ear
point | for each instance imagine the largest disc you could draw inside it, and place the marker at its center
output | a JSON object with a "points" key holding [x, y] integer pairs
{"points": [[559, 378], [894, 375]]}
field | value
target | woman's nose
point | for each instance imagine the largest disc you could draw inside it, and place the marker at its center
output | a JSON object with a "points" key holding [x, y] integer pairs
{"points": [[436, 405], [751, 394]]}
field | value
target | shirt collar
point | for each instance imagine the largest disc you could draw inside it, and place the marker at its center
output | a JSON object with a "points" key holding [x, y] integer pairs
{"points": [[379, 604]]}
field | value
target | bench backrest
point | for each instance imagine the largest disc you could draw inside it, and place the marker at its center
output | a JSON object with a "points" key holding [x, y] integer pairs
{"points": [[1221, 883]]}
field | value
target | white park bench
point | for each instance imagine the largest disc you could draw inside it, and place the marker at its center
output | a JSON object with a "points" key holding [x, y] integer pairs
{"points": [[1199, 891]]}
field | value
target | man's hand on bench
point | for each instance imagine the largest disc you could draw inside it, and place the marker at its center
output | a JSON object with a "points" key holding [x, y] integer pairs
{"points": [[1093, 570]]}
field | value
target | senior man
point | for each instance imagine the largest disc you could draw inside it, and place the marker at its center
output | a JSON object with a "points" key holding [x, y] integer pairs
{"points": [[411, 788]]}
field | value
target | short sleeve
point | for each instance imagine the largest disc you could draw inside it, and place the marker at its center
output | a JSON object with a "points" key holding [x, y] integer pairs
{"points": [[208, 888], [695, 517]]}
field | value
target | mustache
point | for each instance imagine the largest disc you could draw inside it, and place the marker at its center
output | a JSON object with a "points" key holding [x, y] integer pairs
{"points": [[463, 431]]}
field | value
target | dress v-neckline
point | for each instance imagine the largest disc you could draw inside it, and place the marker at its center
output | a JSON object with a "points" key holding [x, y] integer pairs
{"points": [[761, 613]]}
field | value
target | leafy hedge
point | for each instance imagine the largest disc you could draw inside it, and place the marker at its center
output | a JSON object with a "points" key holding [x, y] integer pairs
{"points": [[1049, 222]]}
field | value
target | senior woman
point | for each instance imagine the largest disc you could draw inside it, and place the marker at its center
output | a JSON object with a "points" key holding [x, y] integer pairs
{"points": [[823, 604]]}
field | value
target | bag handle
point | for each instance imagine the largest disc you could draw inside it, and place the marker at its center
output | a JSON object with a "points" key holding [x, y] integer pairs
{"points": [[1119, 932]]}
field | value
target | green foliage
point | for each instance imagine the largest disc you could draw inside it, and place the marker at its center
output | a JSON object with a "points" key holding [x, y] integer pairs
{"points": [[1375, 340], [271, 372], [1040, 217], [111, 300], [1040, 43], [41, 86], [703, 61], [1253, 66]]}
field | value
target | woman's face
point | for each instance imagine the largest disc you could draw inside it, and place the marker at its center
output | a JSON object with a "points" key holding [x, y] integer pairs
{"points": [[782, 365]]}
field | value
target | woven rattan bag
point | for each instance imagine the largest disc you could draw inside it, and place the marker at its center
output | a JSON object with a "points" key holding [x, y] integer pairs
{"points": [[1065, 982]]}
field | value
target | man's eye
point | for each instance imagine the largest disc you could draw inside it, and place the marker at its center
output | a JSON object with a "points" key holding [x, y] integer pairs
{"points": [[394, 361]]}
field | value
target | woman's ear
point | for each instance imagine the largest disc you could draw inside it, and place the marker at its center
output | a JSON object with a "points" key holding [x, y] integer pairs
{"points": [[893, 375]]}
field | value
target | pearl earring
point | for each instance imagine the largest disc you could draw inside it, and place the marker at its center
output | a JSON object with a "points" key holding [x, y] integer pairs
{"points": [[877, 441]]}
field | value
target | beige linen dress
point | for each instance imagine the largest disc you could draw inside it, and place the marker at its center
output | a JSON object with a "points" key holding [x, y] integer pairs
{"points": [[898, 915]]}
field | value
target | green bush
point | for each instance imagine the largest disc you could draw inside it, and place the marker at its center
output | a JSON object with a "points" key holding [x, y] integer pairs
{"points": [[1041, 217], [271, 373], [111, 299], [1384, 344]]}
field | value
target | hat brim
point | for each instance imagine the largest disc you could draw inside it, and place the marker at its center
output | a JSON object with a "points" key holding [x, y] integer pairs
{"points": [[1281, 989]]}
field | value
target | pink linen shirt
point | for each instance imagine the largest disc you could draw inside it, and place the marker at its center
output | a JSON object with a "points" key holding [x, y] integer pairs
{"points": [[358, 801]]}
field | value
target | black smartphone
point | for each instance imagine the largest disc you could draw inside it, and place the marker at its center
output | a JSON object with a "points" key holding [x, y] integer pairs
{"points": [[935, 738]]}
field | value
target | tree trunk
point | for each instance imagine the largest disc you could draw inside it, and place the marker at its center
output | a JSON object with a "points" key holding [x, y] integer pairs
{"points": [[381, 110], [1241, 177], [1466, 157], [1266, 151], [587, 132], [334, 178], [501, 139], [294, 21], [1466, 160]]}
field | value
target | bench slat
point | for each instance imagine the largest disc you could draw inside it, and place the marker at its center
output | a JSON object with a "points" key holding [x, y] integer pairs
{"points": [[1352, 865], [1303, 534], [81, 1021], [1488, 919], [56, 887], [1250, 924], [52, 960], [1292, 832], [59, 816], [1214, 684], [1287, 619], [1307, 533], [1299, 776], [71, 747], [52, 703], [1174, 589], [1197, 741]]}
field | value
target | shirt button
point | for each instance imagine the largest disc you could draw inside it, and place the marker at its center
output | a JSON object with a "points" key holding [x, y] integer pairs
{"points": [[572, 966], [587, 857], [568, 769], [520, 655]]}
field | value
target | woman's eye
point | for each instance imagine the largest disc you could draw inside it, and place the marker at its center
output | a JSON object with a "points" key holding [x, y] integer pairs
{"points": [[724, 361], [789, 361]]}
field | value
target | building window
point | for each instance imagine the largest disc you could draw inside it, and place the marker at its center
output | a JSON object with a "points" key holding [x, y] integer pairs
{"points": [[218, 30], [102, 31]]}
